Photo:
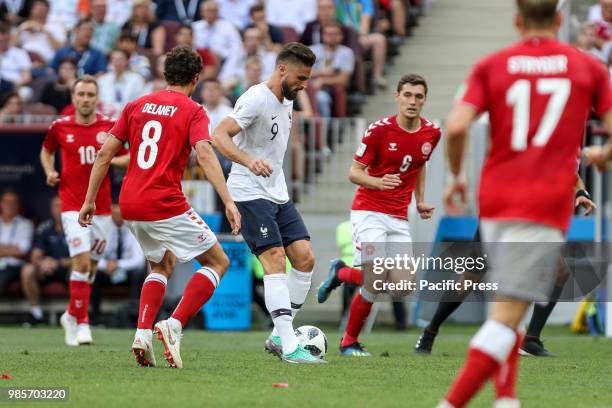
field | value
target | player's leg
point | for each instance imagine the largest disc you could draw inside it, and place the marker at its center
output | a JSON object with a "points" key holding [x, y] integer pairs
{"points": [[261, 232], [296, 241], [161, 264], [532, 344], [367, 229], [522, 276], [338, 274]]}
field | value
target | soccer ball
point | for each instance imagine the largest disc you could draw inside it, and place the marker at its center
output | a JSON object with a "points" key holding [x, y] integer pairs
{"points": [[313, 339]]}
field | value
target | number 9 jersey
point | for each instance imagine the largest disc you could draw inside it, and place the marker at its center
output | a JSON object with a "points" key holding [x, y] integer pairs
{"points": [[386, 148], [539, 94], [161, 129]]}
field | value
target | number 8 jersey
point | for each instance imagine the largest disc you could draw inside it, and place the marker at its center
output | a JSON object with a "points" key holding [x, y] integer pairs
{"points": [[386, 148], [539, 93], [79, 145], [161, 129]]}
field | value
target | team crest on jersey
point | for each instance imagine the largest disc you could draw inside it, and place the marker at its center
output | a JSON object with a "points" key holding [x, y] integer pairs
{"points": [[101, 137], [426, 148], [75, 242], [392, 146], [369, 249], [70, 138]]}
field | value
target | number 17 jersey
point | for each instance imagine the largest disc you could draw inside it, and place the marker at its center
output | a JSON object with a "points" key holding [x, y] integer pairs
{"points": [[539, 93], [161, 129]]}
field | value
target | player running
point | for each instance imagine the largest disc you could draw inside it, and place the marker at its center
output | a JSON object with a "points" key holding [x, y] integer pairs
{"points": [[389, 167], [79, 137], [161, 129], [271, 226], [538, 93]]}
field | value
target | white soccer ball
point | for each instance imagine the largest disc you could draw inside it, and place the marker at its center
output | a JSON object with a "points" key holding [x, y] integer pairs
{"points": [[313, 339]]}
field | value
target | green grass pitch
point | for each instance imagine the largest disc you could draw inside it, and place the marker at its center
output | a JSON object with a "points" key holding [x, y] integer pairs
{"points": [[231, 369]]}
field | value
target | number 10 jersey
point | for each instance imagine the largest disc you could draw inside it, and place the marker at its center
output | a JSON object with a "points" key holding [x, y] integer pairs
{"points": [[161, 129]]}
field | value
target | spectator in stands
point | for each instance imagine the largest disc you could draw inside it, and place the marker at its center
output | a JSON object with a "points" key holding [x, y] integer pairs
{"points": [[11, 109], [89, 60], [394, 19], [233, 69], [183, 11], [15, 64], [106, 32], [65, 12], [358, 14], [37, 35], [14, 11], [58, 93], [215, 34], [15, 239], [251, 75], [237, 11], [214, 102], [326, 14], [120, 85], [138, 63], [291, 13], [49, 261], [158, 82], [119, 11], [122, 263], [332, 70], [184, 36], [601, 15], [272, 36], [143, 25]]}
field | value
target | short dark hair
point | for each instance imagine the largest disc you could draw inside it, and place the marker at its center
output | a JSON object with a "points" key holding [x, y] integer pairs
{"points": [[124, 52], [5, 28], [69, 60], [8, 97], [86, 79], [296, 53], [256, 8], [127, 36], [412, 79], [183, 26], [182, 65], [83, 21], [537, 13]]}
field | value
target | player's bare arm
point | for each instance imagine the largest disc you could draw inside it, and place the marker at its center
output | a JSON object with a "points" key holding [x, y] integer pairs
{"points": [[599, 156], [98, 172], [425, 210], [47, 160], [222, 141], [121, 162], [458, 124], [358, 175], [210, 164]]}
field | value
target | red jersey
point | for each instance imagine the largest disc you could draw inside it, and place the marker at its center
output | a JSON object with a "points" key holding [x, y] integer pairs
{"points": [[161, 128], [79, 146], [539, 94], [386, 148]]}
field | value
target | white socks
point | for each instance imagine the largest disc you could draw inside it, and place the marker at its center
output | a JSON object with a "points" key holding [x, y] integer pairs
{"points": [[276, 294], [495, 339], [298, 284], [37, 312]]}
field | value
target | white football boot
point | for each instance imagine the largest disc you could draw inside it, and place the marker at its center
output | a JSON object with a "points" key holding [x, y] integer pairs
{"points": [[170, 336], [142, 348], [69, 324], [84, 334]]}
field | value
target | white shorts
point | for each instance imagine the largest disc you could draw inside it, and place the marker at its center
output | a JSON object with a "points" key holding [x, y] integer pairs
{"points": [[186, 235], [86, 239], [522, 258], [370, 227]]}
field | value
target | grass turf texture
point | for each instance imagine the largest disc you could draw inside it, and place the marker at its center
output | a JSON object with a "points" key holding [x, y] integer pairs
{"points": [[231, 369]]}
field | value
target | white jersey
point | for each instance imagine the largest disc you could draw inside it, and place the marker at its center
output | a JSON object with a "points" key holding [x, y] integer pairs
{"points": [[266, 128]]}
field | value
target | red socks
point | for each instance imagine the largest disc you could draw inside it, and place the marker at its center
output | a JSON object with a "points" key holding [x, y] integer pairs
{"points": [[491, 345], [80, 290], [199, 289], [505, 377], [358, 313], [151, 298], [350, 275]]}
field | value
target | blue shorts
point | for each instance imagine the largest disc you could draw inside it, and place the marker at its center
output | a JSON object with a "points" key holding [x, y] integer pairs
{"points": [[266, 224]]}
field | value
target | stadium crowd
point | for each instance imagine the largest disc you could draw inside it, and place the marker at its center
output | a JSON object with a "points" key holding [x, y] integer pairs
{"points": [[46, 44]]}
